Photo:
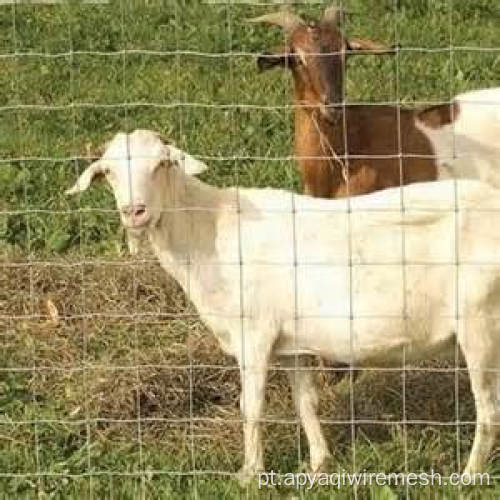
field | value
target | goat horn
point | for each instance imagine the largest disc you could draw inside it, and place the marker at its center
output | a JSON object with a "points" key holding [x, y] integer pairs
{"points": [[333, 16], [287, 20]]}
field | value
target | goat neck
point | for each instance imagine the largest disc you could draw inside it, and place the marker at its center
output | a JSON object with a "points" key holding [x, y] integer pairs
{"points": [[188, 220], [319, 145]]}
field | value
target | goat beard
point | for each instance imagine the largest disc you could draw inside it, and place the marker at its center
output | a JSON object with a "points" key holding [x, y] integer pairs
{"points": [[327, 112], [330, 114], [135, 238]]}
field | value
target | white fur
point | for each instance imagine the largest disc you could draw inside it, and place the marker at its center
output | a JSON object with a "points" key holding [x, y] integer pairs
{"points": [[273, 273], [470, 146]]}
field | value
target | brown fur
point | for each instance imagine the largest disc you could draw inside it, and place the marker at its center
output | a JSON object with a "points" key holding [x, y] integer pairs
{"points": [[438, 116], [370, 133]]}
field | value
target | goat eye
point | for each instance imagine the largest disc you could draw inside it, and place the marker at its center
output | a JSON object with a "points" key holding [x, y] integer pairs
{"points": [[106, 171]]}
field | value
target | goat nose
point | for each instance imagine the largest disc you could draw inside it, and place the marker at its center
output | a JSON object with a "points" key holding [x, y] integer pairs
{"points": [[136, 214], [133, 210], [138, 211]]}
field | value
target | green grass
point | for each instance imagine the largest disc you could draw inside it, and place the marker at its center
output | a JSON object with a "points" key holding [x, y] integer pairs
{"points": [[80, 380]]}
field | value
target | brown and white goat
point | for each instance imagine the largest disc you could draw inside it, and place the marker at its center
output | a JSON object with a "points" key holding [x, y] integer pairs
{"points": [[355, 149]]}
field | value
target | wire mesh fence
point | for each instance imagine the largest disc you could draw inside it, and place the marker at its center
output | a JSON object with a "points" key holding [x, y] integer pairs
{"points": [[111, 385]]}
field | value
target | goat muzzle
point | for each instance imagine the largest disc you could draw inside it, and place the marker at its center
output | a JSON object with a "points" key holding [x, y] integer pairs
{"points": [[135, 216]]}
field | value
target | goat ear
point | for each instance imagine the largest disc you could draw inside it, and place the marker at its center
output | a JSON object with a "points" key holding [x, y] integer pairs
{"points": [[87, 176], [188, 163], [361, 45], [93, 153], [280, 56]]}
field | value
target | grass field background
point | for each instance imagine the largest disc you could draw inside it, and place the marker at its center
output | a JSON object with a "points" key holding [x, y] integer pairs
{"points": [[128, 393]]}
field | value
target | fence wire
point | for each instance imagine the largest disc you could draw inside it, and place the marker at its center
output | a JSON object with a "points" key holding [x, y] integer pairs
{"points": [[125, 299]]}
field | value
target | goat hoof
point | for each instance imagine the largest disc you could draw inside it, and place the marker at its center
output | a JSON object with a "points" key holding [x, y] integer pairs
{"points": [[246, 474], [317, 469], [471, 470], [312, 469]]}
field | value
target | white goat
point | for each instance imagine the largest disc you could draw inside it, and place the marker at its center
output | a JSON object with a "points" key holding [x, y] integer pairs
{"points": [[273, 273]]}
